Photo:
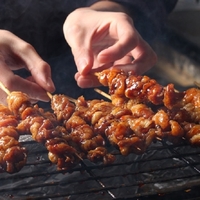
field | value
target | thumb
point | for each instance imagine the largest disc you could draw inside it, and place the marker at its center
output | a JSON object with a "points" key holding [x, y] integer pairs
{"points": [[79, 41], [42, 75], [84, 60]]}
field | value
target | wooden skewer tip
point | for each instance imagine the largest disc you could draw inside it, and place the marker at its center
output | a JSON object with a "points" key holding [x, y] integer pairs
{"points": [[50, 95], [103, 93], [96, 73], [2, 86], [76, 154], [158, 138], [70, 98]]}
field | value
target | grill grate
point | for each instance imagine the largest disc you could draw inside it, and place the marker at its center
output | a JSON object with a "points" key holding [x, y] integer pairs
{"points": [[160, 172]]}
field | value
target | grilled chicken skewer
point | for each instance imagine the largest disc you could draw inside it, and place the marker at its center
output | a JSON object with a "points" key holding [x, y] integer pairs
{"points": [[12, 155], [141, 89], [175, 109], [82, 135]]}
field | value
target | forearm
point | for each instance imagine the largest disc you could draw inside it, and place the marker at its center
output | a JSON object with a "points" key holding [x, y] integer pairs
{"points": [[109, 6], [124, 5], [148, 16]]}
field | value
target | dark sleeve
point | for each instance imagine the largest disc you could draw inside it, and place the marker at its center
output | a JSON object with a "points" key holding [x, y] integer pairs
{"points": [[149, 16]]}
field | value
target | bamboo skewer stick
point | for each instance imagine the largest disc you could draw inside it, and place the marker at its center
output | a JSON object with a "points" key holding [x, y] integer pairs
{"points": [[49, 95], [96, 74], [2, 86], [70, 98], [103, 93]]}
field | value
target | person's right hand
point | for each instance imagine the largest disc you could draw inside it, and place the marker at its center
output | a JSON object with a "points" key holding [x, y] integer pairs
{"points": [[17, 54], [103, 39]]}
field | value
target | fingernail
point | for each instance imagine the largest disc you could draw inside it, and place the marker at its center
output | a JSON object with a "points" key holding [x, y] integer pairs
{"points": [[50, 84], [86, 83], [82, 63], [47, 81]]}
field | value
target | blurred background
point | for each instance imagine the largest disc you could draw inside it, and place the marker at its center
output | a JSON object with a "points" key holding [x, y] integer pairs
{"points": [[178, 48]]}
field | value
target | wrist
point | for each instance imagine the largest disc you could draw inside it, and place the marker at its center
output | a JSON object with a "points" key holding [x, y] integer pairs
{"points": [[106, 5]]}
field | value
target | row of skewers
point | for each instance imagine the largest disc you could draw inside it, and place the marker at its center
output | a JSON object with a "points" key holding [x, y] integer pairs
{"points": [[140, 112]]}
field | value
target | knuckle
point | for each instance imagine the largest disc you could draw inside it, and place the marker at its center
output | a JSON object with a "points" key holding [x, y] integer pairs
{"points": [[24, 47], [126, 17], [73, 31], [44, 65], [8, 83]]}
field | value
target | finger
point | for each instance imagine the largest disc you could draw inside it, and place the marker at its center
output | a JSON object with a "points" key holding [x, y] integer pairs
{"points": [[127, 40], [87, 81], [32, 89], [90, 80], [15, 83], [140, 65], [127, 59], [84, 59], [143, 58], [79, 42], [39, 69]]}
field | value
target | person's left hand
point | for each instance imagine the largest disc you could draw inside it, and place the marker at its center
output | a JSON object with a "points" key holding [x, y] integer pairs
{"points": [[100, 40], [16, 54]]}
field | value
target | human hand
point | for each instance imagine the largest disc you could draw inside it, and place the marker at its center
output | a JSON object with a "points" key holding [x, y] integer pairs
{"points": [[100, 40], [16, 54]]}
